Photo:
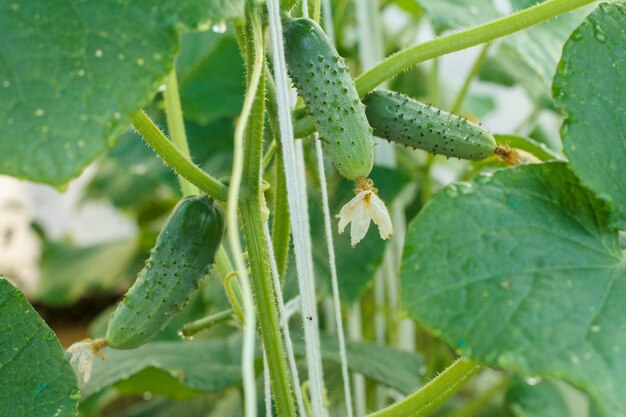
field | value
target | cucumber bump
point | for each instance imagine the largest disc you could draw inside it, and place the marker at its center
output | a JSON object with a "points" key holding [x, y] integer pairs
{"points": [[330, 97]]}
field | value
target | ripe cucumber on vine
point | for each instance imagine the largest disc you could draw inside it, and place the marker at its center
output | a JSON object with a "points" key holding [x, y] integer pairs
{"points": [[182, 256], [332, 101]]}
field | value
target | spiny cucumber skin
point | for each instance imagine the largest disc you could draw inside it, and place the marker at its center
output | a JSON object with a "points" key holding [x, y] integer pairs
{"points": [[182, 256], [331, 99], [399, 118]]}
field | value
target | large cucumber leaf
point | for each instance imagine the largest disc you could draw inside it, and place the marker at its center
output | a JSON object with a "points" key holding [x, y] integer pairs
{"points": [[72, 72], [521, 270], [590, 87], [35, 378]]}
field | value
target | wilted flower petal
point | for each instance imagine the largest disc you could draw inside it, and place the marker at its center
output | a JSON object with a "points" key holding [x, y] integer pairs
{"points": [[363, 208]]}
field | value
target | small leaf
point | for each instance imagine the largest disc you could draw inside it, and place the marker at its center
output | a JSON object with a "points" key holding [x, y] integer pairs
{"points": [[529, 57], [214, 86], [454, 14], [535, 398], [388, 366], [179, 366], [35, 378], [69, 272], [520, 270], [593, 98]]}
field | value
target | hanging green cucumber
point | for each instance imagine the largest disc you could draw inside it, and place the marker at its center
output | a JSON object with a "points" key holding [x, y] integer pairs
{"points": [[330, 97], [399, 118], [182, 256]]}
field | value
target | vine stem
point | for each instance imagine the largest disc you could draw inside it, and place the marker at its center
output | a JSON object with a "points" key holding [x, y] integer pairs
{"points": [[458, 102], [253, 215], [433, 394], [406, 58], [176, 160]]}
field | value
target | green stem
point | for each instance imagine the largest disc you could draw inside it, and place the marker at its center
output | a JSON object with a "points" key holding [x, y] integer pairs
{"points": [[433, 394], [205, 323], [456, 107], [176, 126], [252, 219], [406, 58], [281, 229], [175, 158]]}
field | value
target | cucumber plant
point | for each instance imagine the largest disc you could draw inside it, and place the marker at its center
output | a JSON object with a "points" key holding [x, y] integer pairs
{"points": [[506, 255]]}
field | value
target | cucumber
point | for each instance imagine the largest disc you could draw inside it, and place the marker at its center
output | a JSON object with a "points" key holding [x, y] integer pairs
{"points": [[399, 118], [330, 97], [182, 256]]}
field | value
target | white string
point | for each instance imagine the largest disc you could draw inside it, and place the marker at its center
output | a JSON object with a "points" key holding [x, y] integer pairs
{"points": [[299, 218], [267, 387], [284, 319], [331, 247]]}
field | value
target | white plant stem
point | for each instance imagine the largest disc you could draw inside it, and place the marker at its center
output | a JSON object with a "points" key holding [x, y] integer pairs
{"points": [[296, 196], [284, 321]]}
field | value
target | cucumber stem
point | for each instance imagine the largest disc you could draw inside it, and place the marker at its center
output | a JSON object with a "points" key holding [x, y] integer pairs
{"points": [[253, 219], [205, 323], [175, 159], [433, 394]]}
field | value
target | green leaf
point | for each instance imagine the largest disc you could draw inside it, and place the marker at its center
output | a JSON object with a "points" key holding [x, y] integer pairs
{"points": [[35, 378], [593, 98], [542, 399], [538, 149], [176, 368], [453, 14], [213, 86], [73, 71], [529, 57], [391, 367], [69, 272], [520, 270]]}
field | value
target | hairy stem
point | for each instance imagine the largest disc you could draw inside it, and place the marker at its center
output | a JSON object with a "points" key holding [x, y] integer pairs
{"points": [[205, 323], [252, 218], [175, 159], [433, 394]]}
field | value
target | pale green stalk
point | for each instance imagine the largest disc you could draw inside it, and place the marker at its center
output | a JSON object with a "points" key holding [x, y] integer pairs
{"points": [[428, 398]]}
